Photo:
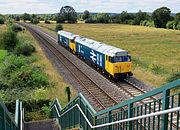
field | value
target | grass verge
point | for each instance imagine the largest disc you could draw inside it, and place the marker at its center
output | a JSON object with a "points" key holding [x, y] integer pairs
{"points": [[59, 89]]}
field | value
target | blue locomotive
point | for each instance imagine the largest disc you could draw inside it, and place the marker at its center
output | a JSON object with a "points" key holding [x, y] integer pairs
{"points": [[111, 60]]}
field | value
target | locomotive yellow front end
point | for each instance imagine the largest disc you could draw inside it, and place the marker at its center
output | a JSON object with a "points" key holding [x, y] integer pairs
{"points": [[119, 66]]}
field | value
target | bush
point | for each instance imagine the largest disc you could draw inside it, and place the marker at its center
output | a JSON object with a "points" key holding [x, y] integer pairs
{"points": [[16, 27], [2, 20], [9, 40], [47, 21], [156, 69], [143, 23], [59, 27], [17, 18], [19, 72], [131, 22], [25, 49], [150, 24], [170, 25], [35, 21], [90, 20], [178, 27]]}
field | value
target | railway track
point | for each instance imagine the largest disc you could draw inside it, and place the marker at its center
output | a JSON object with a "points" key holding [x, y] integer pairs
{"points": [[99, 98]]}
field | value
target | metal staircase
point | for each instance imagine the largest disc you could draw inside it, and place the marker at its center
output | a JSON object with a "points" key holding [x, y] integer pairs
{"points": [[160, 114]]}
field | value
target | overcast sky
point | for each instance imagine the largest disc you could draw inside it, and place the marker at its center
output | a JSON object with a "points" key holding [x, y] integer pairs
{"points": [[110, 6]]}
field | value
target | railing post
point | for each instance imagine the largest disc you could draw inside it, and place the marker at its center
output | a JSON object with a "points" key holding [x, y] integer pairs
{"points": [[4, 114], [95, 123], [110, 119], [130, 114], [165, 106], [86, 113], [74, 118], [79, 112]]}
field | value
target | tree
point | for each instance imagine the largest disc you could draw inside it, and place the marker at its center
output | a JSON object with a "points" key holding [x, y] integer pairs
{"points": [[177, 17], [86, 15], [1, 20], [35, 21], [17, 18], [59, 18], [26, 16], [103, 18], [67, 13], [140, 16], [161, 16], [33, 16], [124, 17]]}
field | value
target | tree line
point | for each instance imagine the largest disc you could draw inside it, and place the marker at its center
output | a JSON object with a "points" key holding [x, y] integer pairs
{"points": [[160, 18]]}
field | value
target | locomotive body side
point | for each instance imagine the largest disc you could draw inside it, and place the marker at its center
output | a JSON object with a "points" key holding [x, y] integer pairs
{"points": [[111, 60], [91, 55], [67, 39]]}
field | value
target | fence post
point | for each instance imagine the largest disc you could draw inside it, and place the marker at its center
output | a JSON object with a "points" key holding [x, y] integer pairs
{"points": [[165, 106], [130, 114]]}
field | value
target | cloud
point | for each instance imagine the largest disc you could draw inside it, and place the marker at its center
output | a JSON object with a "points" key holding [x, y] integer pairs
{"points": [[29, 6], [53, 6]]}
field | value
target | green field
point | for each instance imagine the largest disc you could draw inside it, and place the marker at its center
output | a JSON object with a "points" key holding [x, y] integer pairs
{"points": [[155, 52]]}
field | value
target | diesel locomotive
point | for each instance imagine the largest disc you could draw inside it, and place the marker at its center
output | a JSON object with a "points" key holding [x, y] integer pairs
{"points": [[113, 61]]}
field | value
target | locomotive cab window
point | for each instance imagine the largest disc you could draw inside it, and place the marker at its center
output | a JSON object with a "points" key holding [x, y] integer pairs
{"points": [[120, 59], [107, 58], [72, 40]]}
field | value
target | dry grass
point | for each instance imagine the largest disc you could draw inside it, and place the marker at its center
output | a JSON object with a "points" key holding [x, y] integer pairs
{"points": [[2, 27], [155, 51], [59, 89]]}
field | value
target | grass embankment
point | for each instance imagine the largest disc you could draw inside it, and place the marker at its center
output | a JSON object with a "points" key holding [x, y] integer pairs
{"points": [[155, 52], [21, 71], [59, 89]]}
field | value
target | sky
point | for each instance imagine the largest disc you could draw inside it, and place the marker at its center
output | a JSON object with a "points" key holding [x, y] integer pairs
{"points": [[105, 6]]}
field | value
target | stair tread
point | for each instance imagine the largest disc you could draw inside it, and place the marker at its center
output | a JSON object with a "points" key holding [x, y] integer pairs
{"points": [[49, 124]]}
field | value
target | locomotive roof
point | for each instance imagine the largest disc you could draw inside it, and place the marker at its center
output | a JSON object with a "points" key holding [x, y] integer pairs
{"points": [[67, 34], [101, 47]]}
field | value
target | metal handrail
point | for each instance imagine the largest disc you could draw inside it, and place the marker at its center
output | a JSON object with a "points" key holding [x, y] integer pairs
{"points": [[120, 121], [18, 121], [76, 102], [156, 91]]}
